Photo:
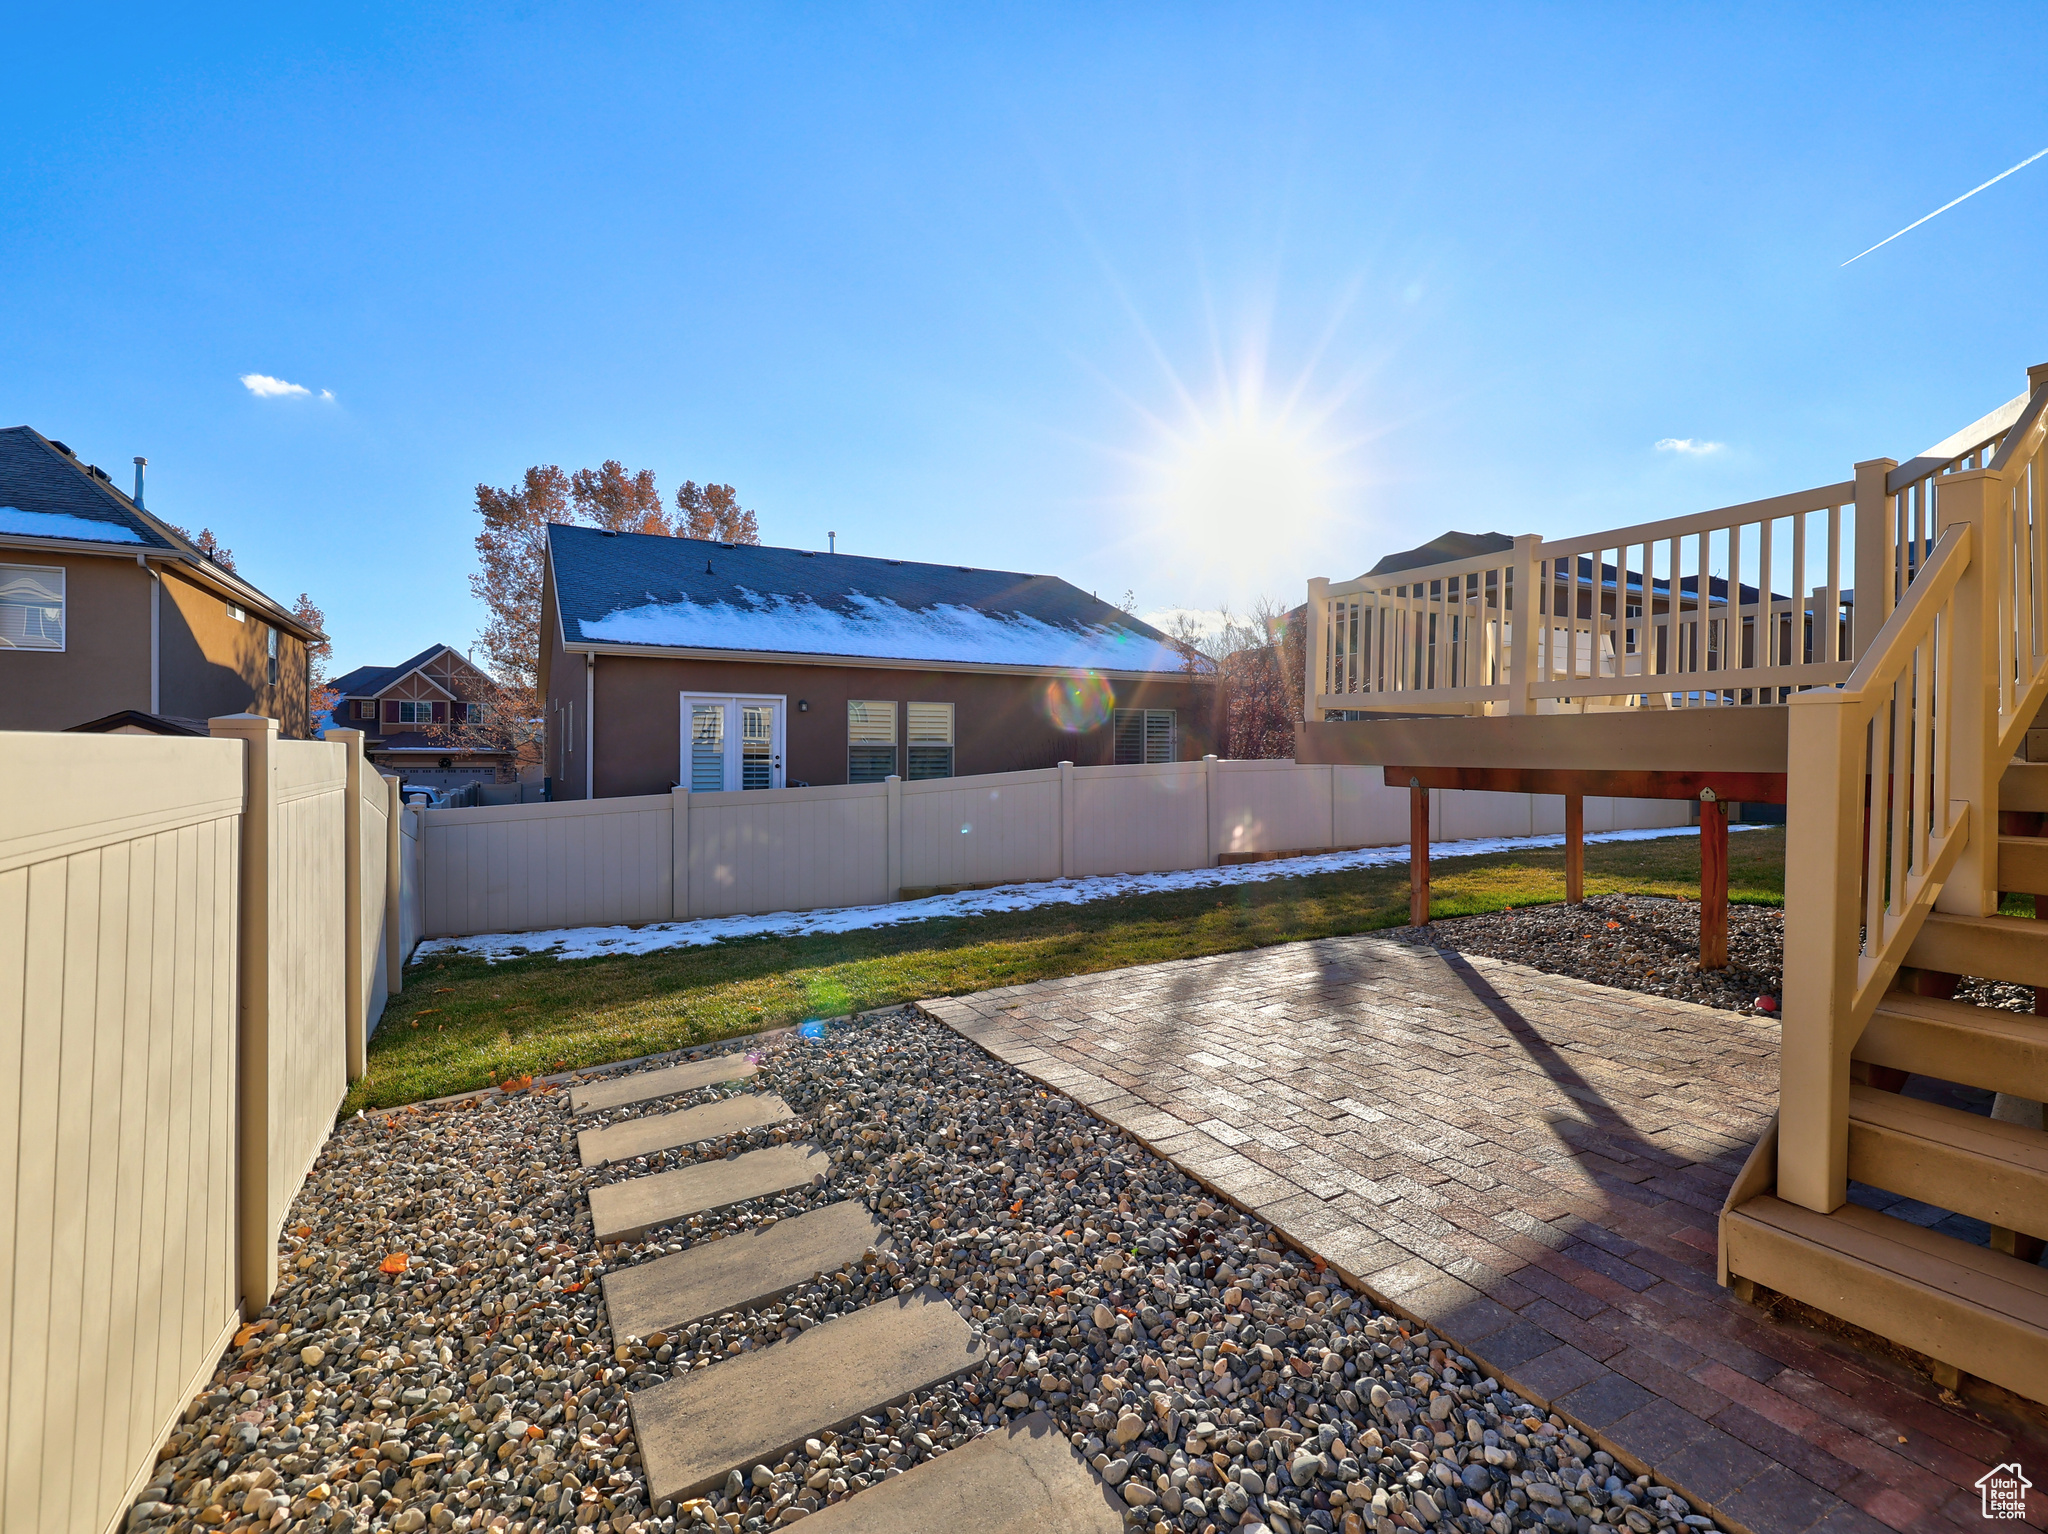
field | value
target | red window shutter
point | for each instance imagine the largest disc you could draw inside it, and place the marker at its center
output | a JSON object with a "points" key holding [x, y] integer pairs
{"points": [[440, 713], [390, 712], [461, 713]]}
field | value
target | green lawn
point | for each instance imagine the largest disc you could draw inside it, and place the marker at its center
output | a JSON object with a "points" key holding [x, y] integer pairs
{"points": [[461, 1023]]}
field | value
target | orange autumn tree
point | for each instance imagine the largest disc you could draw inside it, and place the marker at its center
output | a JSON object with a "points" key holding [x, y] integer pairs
{"points": [[511, 555]]}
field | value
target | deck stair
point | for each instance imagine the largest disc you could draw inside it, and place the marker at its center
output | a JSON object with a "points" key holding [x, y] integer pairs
{"points": [[1910, 818]]}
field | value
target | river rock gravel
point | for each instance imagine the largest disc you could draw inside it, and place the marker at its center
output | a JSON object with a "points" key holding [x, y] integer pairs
{"points": [[439, 1358], [1644, 943]]}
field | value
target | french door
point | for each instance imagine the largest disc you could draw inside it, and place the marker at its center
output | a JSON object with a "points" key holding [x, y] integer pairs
{"points": [[732, 742]]}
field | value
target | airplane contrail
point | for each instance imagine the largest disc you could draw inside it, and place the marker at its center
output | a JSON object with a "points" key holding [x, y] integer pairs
{"points": [[1972, 192]]}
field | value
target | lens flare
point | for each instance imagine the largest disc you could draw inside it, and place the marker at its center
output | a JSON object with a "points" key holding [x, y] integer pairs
{"points": [[1078, 703]]}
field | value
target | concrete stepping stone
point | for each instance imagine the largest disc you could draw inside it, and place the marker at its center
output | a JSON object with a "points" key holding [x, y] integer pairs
{"points": [[646, 1086], [665, 1131], [1023, 1479], [740, 1270], [625, 1211], [754, 1408]]}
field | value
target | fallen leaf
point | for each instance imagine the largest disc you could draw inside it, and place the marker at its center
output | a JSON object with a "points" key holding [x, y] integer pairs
{"points": [[572, 1288], [395, 1263], [254, 1328], [515, 1084], [302, 1231]]}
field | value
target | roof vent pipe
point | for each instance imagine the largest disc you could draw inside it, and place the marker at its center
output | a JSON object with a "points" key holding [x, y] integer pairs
{"points": [[141, 463], [831, 543]]}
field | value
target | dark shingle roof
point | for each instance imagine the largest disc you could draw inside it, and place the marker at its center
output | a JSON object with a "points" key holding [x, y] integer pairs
{"points": [[368, 681], [644, 589], [36, 477], [1442, 549], [39, 478]]}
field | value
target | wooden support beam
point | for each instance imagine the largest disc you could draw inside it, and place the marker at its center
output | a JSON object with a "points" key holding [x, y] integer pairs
{"points": [[1610, 783], [1418, 855], [1574, 848], [1713, 884]]}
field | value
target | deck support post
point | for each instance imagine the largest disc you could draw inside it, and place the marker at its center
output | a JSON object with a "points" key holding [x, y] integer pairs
{"points": [[1713, 881], [1418, 854], [1574, 848]]}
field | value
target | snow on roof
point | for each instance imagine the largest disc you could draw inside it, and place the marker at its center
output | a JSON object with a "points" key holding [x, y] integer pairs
{"points": [[59, 524], [878, 629], [683, 593]]}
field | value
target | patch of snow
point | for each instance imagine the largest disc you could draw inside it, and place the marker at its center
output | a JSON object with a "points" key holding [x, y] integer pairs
{"points": [[61, 524], [596, 942], [881, 629]]}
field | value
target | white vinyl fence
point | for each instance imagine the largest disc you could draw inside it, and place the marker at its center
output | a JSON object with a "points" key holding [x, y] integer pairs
{"points": [[673, 856], [192, 948]]}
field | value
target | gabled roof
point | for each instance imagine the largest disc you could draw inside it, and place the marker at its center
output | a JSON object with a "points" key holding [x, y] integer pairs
{"points": [[1442, 549], [46, 494], [368, 681], [639, 591]]}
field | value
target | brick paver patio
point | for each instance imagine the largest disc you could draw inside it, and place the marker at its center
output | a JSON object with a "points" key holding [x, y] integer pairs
{"points": [[1532, 1166]]}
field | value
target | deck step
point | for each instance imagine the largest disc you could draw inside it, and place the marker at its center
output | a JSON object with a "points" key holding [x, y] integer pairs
{"points": [[2011, 948], [666, 1131], [1023, 1479], [739, 1271], [1983, 1047], [625, 1211], [1978, 1310], [1994, 1172], [2023, 864], [2024, 786], [754, 1408], [648, 1086]]}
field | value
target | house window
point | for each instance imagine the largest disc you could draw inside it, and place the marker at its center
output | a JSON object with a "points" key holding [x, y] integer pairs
{"points": [[1145, 735], [235, 613], [410, 713], [31, 608], [365, 709], [273, 657], [870, 741], [928, 737], [707, 748]]}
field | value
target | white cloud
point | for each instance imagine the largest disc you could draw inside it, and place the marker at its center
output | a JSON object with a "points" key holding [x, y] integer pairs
{"points": [[1695, 447], [263, 386]]}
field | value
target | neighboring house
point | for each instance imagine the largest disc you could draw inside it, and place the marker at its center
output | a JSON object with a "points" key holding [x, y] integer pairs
{"points": [[428, 719], [671, 660], [104, 610]]}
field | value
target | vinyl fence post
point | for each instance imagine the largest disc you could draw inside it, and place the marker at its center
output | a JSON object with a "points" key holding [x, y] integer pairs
{"points": [[394, 890], [1066, 820], [255, 1230], [355, 1044], [894, 784], [679, 901], [1210, 837]]}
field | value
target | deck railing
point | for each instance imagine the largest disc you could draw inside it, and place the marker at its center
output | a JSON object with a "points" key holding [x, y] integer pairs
{"points": [[1746, 604], [1677, 613]]}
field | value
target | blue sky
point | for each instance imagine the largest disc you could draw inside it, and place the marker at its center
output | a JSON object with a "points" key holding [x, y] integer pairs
{"points": [[1191, 301]]}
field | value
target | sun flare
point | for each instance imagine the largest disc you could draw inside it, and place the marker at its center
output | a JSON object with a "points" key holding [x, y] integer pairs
{"points": [[1242, 493]]}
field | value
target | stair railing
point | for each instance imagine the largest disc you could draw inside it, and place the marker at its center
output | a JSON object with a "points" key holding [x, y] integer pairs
{"points": [[1873, 828], [1893, 778]]}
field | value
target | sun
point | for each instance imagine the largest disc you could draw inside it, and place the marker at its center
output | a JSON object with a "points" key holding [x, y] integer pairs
{"points": [[1242, 492]]}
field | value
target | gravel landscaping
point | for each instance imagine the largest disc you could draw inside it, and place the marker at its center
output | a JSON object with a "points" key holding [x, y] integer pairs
{"points": [[440, 1357], [1634, 942]]}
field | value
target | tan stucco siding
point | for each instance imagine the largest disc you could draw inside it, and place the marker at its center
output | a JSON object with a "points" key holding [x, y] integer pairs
{"points": [[1002, 723], [214, 665], [104, 665]]}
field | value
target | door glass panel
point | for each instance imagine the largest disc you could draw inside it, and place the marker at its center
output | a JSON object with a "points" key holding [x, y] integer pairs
{"points": [[707, 748], [757, 743]]}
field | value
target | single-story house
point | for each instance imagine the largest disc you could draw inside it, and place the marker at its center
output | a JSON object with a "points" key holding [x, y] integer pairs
{"points": [[427, 719], [105, 610], [669, 661]]}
